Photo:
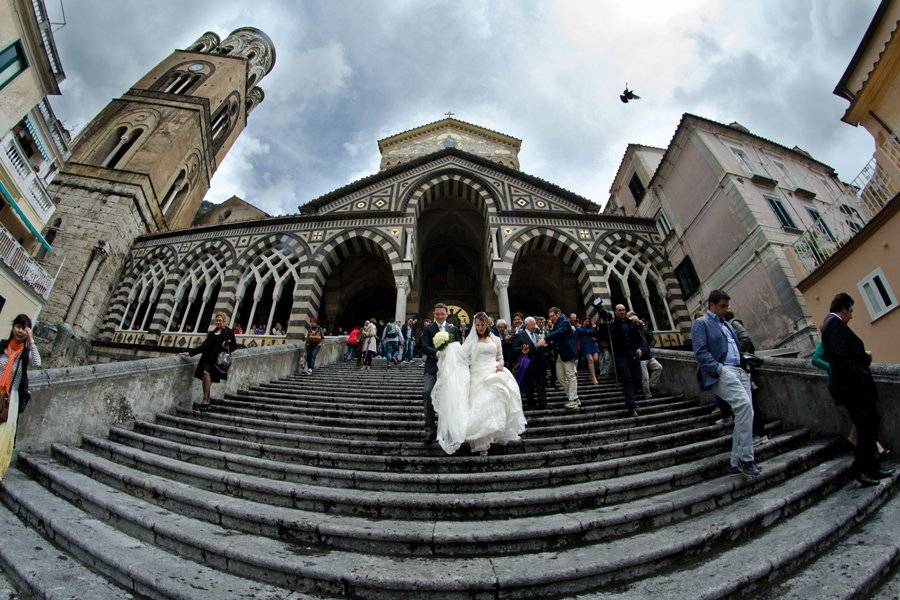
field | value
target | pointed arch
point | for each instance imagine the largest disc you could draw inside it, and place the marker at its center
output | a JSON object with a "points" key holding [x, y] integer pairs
{"points": [[635, 261], [569, 251], [449, 182], [141, 288]]}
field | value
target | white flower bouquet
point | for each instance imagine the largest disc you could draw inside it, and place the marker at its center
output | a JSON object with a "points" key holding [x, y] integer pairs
{"points": [[442, 339]]}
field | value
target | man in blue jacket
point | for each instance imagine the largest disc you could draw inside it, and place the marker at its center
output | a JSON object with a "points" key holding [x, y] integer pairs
{"points": [[717, 350], [562, 337]]}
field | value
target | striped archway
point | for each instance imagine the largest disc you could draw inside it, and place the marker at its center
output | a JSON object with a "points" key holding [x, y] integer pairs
{"points": [[309, 292], [205, 265], [569, 251], [144, 279], [452, 183], [608, 251]]}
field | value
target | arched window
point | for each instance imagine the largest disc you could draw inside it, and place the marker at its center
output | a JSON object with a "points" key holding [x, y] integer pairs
{"points": [[632, 281], [196, 296], [122, 142], [177, 191], [144, 297], [265, 292], [224, 119]]}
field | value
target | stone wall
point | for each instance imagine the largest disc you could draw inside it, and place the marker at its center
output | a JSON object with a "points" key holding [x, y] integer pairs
{"points": [[795, 392], [69, 402]]}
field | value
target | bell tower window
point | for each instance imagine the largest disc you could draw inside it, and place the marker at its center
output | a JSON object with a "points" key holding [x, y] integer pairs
{"points": [[122, 142], [177, 191]]}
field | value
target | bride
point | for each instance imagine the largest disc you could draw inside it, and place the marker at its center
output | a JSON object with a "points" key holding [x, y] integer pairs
{"points": [[475, 398]]}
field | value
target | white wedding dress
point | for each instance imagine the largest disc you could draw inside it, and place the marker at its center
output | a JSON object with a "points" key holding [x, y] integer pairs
{"points": [[473, 401]]}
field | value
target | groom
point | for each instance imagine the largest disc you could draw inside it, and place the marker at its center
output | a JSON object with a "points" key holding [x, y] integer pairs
{"points": [[431, 369]]}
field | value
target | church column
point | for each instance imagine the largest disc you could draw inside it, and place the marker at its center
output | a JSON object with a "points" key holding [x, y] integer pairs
{"points": [[501, 285], [98, 255], [402, 289]]}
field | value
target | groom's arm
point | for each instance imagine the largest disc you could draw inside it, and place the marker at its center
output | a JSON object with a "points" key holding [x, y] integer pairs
{"points": [[427, 344]]}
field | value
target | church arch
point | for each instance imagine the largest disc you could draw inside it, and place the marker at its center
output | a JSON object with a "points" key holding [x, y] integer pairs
{"points": [[269, 273], [141, 289], [638, 276], [192, 290], [449, 183], [348, 279], [555, 255]]}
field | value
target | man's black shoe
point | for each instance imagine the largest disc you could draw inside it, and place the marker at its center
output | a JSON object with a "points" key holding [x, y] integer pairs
{"points": [[880, 473], [866, 481], [633, 413]]}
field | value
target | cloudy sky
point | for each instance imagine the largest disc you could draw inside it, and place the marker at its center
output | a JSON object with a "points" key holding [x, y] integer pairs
{"points": [[351, 72]]}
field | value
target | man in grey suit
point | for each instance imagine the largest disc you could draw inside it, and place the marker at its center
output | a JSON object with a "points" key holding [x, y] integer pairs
{"points": [[431, 369], [718, 354]]}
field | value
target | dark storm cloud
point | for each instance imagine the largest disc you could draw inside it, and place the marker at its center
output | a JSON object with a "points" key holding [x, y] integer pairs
{"points": [[349, 73]]}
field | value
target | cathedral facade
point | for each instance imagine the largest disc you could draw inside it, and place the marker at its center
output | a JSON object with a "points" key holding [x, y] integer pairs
{"points": [[449, 218]]}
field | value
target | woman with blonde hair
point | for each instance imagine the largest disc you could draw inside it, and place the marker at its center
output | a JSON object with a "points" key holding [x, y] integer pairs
{"points": [[476, 398], [215, 356], [17, 353]]}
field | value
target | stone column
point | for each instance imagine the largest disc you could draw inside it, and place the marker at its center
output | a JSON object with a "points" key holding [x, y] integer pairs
{"points": [[501, 286], [98, 255], [402, 289]]}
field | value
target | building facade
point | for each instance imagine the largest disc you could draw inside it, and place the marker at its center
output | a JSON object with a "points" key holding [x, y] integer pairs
{"points": [[728, 205], [33, 146], [142, 166], [859, 252], [464, 227]]}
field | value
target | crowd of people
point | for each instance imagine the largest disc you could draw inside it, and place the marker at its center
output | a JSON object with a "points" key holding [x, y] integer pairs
{"points": [[260, 329]]}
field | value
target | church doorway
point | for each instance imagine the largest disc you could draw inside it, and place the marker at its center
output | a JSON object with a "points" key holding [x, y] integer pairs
{"points": [[453, 265], [541, 279], [361, 286]]}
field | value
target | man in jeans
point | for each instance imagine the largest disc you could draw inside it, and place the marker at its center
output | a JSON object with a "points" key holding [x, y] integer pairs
{"points": [[719, 371], [562, 338], [408, 332], [392, 339]]}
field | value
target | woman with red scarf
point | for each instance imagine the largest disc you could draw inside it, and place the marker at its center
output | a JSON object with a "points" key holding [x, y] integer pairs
{"points": [[16, 354]]}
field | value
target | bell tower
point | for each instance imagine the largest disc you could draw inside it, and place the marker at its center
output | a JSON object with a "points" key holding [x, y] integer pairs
{"points": [[141, 166]]}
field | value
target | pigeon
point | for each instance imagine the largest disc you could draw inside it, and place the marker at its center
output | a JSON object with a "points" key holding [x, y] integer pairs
{"points": [[628, 95]]}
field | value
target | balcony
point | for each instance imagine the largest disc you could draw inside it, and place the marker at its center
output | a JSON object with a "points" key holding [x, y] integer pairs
{"points": [[22, 264], [871, 190], [25, 177]]}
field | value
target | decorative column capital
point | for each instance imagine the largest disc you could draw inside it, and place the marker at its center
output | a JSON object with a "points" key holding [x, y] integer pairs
{"points": [[501, 281], [402, 283]]}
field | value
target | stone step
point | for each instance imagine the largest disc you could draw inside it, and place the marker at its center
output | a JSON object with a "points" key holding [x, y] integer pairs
{"points": [[662, 453], [375, 421], [138, 566], [572, 431], [43, 570], [558, 572], [890, 588], [8, 591], [444, 538], [853, 567], [746, 569], [558, 496], [462, 462], [415, 446]]}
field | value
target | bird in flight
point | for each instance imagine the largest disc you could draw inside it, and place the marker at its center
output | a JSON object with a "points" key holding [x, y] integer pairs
{"points": [[628, 95]]}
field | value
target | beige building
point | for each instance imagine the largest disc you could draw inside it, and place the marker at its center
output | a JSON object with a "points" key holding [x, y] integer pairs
{"points": [[859, 251], [233, 210], [33, 145], [727, 205]]}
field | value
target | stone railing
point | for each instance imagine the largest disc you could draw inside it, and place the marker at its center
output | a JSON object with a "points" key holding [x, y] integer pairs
{"points": [[70, 402], [175, 339], [873, 188], [22, 264], [795, 392]]}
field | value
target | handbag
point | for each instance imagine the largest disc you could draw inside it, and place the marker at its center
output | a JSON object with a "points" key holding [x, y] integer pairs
{"points": [[223, 359], [313, 338], [5, 398]]}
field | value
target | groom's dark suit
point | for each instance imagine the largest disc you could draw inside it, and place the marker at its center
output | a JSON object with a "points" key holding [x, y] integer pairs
{"points": [[431, 370], [536, 379]]}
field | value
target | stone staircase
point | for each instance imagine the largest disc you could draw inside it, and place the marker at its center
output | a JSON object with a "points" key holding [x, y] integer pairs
{"points": [[321, 487]]}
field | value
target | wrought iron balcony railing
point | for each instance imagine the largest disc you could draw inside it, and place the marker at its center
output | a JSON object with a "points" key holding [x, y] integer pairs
{"points": [[22, 264], [871, 190]]}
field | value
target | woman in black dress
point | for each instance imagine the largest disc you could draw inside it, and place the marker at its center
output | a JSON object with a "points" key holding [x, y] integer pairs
{"points": [[220, 339]]}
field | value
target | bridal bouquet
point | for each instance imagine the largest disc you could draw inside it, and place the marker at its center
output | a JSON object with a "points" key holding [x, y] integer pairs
{"points": [[442, 339]]}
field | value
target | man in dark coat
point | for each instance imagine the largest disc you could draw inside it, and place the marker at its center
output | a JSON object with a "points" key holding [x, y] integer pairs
{"points": [[853, 387], [431, 369], [627, 347], [525, 343]]}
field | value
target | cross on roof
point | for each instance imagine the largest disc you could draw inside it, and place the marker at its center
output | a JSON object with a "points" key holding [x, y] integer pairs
{"points": [[449, 114]]}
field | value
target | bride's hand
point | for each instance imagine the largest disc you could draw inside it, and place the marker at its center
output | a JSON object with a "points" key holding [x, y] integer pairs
{"points": [[499, 366]]}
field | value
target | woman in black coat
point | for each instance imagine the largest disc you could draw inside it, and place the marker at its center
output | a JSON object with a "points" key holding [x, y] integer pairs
{"points": [[221, 339]]}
